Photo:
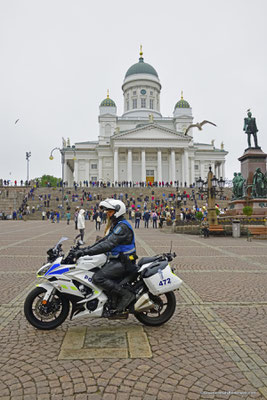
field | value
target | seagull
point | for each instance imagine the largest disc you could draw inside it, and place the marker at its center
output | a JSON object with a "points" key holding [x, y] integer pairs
{"points": [[199, 125], [16, 121]]}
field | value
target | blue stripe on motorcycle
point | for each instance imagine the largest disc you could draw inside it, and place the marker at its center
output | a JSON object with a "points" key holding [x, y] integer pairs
{"points": [[61, 271], [52, 268]]}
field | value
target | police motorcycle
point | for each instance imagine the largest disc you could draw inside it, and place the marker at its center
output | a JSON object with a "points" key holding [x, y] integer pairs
{"points": [[66, 281]]}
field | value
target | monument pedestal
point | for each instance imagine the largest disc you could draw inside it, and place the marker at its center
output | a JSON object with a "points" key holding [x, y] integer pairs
{"points": [[252, 159]]}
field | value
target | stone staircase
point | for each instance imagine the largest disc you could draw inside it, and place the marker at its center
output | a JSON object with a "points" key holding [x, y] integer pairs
{"points": [[16, 195]]}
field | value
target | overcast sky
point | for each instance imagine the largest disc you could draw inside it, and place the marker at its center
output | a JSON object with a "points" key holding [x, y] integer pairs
{"points": [[59, 57]]}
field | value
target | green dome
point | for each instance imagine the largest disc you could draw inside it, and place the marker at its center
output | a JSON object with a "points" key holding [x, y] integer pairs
{"points": [[141, 68], [182, 103], [108, 103]]}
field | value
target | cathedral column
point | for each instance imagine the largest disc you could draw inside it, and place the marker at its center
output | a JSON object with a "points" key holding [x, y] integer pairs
{"points": [[173, 166], [223, 169], [186, 167], [76, 167], [192, 180], [202, 169], [100, 169], [182, 168], [87, 170], [116, 165], [129, 166], [159, 167], [143, 169]]}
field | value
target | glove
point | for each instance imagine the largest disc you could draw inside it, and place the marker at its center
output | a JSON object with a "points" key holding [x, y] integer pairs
{"points": [[78, 254]]}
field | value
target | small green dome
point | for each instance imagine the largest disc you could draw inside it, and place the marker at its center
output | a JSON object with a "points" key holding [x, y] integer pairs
{"points": [[108, 102], [182, 103]]}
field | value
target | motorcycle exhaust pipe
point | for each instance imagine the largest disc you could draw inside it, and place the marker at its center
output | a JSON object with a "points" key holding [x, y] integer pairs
{"points": [[144, 304]]}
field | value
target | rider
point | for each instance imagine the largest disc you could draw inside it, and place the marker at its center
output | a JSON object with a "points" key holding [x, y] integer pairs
{"points": [[119, 244]]}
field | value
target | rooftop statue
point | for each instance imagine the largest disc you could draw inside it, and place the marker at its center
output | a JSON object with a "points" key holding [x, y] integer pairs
{"points": [[250, 128]]}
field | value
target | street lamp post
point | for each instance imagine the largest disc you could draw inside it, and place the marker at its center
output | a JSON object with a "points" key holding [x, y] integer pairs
{"points": [[28, 155], [62, 152], [210, 188]]}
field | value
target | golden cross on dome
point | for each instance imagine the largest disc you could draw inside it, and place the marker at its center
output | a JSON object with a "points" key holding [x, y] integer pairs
{"points": [[182, 95], [141, 50], [108, 94]]}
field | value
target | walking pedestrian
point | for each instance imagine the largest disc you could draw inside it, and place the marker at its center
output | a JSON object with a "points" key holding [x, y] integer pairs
{"points": [[137, 219], [81, 225], [154, 219]]}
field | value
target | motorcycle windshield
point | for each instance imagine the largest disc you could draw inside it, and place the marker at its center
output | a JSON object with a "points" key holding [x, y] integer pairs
{"points": [[61, 240]]}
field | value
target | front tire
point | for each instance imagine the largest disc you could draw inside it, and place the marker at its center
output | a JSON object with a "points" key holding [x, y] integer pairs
{"points": [[166, 306], [49, 317]]}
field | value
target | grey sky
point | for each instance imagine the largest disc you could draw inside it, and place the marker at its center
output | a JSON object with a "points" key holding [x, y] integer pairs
{"points": [[58, 57]]}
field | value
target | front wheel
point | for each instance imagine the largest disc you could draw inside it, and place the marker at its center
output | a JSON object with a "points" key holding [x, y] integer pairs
{"points": [[165, 307], [48, 316]]}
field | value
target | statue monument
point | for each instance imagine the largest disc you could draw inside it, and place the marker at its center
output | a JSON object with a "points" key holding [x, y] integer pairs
{"points": [[250, 185], [250, 128]]}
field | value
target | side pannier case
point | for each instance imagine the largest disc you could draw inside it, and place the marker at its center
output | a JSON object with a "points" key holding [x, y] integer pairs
{"points": [[160, 279]]}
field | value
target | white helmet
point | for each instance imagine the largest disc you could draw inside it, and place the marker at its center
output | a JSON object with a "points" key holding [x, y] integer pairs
{"points": [[111, 204]]}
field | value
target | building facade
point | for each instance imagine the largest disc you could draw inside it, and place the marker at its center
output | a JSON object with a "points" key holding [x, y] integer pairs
{"points": [[141, 145]]}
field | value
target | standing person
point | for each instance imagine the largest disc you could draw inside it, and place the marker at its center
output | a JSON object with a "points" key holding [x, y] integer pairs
{"points": [[58, 216], [68, 216], [137, 219], [146, 218], [81, 224], [43, 215], [76, 218], [97, 221], [154, 219], [119, 243]]}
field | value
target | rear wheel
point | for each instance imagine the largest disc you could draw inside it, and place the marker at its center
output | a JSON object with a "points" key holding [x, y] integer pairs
{"points": [[165, 307], [48, 316]]}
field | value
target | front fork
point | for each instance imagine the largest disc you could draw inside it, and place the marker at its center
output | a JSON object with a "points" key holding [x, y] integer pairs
{"points": [[50, 291]]}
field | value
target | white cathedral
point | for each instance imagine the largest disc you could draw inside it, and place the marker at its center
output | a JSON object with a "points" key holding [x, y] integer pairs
{"points": [[141, 145]]}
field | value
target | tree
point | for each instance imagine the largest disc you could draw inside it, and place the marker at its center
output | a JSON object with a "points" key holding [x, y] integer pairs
{"points": [[199, 215], [48, 180]]}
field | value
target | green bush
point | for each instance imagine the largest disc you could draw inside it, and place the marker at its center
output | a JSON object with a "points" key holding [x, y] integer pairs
{"points": [[45, 179], [199, 215], [247, 210]]}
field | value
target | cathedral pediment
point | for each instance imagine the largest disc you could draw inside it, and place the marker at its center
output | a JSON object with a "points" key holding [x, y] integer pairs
{"points": [[152, 132]]}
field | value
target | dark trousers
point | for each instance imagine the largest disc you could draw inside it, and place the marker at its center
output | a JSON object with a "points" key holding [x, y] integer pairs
{"points": [[97, 225], [81, 235], [137, 223], [146, 223], [106, 277], [154, 223]]}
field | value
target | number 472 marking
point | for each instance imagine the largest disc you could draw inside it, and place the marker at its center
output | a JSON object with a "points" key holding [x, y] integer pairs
{"points": [[165, 282]]}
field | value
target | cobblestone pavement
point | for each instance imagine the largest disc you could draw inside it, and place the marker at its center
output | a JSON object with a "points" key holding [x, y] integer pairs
{"points": [[215, 346]]}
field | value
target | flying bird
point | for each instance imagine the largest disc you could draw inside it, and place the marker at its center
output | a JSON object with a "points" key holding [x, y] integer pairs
{"points": [[16, 121], [199, 125]]}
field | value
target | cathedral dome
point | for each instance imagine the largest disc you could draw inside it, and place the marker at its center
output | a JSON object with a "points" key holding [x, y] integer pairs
{"points": [[108, 102], [182, 103], [141, 68]]}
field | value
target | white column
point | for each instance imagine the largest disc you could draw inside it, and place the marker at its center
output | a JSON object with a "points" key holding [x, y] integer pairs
{"points": [[192, 179], [220, 171], [173, 166], [129, 166], [66, 173], [116, 165], [76, 166], [143, 174], [159, 166], [182, 172], [169, 167], [100, 169], [87, 178], [202, 169], [186, 168], [223, 169]]}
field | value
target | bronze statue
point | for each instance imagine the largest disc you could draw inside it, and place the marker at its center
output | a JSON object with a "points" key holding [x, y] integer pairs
{"points": [[250, 128], [238, 185], [258, 184]]}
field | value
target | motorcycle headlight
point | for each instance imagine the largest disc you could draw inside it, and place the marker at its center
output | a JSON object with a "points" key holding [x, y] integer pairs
{"points": [[43, 270]]}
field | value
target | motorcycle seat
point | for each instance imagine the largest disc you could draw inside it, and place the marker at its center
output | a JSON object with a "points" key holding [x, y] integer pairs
{"points": [[146, 260]]}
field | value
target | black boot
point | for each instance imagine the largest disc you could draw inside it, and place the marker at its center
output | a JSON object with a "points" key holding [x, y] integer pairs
{"points": [[126, 298]]}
